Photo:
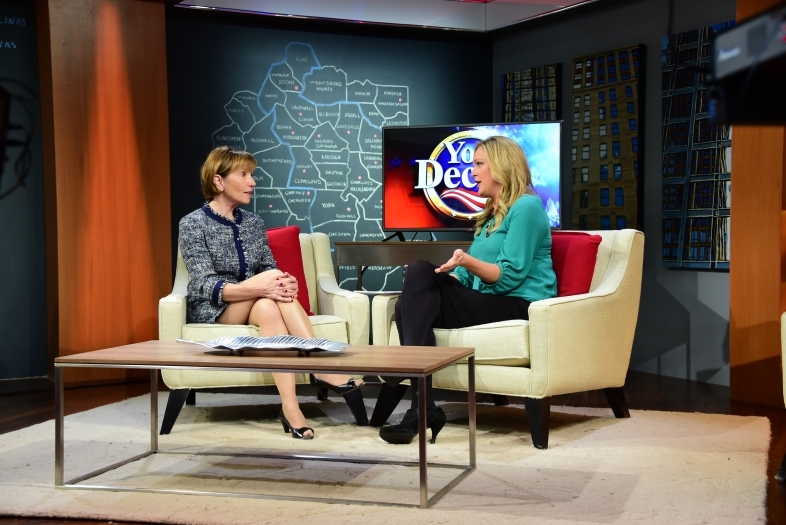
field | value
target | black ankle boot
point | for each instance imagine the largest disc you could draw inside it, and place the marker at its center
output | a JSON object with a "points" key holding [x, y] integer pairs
{"points": [[405, 432]]}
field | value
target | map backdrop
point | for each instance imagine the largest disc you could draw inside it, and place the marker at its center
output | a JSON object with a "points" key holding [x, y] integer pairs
{"points": [[310, 107]]}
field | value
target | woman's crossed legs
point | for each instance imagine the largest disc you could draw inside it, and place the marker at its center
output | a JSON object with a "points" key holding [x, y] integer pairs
{"points": [[279, 318]]}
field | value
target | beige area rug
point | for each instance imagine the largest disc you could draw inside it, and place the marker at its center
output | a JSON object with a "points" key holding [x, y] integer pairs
{"points": [[656, 467]]}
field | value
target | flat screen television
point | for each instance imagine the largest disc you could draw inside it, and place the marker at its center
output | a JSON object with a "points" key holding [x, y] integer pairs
{"points": [[427, 182]]}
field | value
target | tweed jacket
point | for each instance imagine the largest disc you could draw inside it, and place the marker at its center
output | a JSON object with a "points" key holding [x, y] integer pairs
{"points": [[217, 251]]}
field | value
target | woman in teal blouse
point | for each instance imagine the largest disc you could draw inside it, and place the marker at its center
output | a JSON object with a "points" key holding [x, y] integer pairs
{"points": [[507, 267]]}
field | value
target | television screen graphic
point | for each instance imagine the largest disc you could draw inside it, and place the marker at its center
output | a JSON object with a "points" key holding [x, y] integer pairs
{"points": [[427, 178]]}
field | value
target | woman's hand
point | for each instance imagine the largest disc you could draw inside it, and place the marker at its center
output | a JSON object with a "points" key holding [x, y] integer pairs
{"points": [[457, 260], [288, 287], [487, 272], [273, 284]]}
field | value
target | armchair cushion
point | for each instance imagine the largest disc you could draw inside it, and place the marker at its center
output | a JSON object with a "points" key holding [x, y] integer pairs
{"points": [[491, 341], [573, 255], [285, 245], [176, 379]]}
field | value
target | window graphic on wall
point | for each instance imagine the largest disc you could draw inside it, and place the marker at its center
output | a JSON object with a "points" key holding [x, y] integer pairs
{"points": [[696, 157], [532, 95], [605, 147]]}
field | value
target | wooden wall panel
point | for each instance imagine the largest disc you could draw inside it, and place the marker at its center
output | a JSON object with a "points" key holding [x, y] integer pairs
{"points": [[50, 195], [757, 275], [111, 167]]}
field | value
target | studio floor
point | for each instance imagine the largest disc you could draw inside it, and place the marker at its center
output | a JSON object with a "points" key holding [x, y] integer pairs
{"points": [[643, 391]]}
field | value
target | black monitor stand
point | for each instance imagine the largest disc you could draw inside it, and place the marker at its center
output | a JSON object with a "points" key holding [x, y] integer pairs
{"points": [[400, 236]]}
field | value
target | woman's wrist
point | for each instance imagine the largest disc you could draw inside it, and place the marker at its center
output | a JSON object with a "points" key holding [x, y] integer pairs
{"points": [[242, 291]]}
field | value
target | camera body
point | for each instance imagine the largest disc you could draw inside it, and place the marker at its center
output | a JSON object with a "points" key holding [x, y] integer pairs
{"points": [[748, 77]]}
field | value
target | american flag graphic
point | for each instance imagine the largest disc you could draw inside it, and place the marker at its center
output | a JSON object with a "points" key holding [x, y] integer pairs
{"points": [[468, 198]]}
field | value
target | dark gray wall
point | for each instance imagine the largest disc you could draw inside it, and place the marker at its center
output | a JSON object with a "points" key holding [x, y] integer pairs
{"points": [[212, 56], [684, 316], [23, 292]]}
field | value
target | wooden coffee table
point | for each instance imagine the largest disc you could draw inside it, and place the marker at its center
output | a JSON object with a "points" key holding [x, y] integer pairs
{"points": [[395, 361]]}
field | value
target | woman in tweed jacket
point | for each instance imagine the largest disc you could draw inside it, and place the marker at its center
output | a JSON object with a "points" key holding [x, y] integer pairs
{"points": [[233, 278]]}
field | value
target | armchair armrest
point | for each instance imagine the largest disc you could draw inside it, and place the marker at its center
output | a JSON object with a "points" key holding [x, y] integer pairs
{"points": [[383, 308], [583, 342], [171, 316], [351, 306]]}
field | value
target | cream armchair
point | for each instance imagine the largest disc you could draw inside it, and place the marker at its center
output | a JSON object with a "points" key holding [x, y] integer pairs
{"points": [[340, 315], [570, 344]]}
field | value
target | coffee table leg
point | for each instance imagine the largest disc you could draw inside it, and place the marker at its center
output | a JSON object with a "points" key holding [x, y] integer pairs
{"points": [[153, 410], [59, 434], [422, 442], [472, 413]]}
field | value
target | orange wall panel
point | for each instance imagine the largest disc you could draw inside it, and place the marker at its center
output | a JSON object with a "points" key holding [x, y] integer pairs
{"points": [[757, 279], [748, 8], [111, 146], [755, 275]]}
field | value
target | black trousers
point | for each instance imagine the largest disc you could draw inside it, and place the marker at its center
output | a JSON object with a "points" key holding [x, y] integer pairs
{"points": [[437, 300]]}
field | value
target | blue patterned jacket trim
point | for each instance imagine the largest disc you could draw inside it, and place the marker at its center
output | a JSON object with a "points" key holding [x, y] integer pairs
{"points": [[241, 251]]}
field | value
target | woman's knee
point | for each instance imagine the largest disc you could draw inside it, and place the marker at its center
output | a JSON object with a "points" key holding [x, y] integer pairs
{"points": [[419, 270], [264, 309]]}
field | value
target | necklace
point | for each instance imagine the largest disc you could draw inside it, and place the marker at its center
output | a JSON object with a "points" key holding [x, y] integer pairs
{"points": [[488, 226]]}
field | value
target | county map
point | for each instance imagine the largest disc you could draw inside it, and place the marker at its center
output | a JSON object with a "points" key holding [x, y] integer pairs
{"points": [[317, 139]]}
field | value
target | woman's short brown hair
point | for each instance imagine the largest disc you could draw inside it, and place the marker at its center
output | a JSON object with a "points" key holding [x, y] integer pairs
{"points": [[222, 161]]}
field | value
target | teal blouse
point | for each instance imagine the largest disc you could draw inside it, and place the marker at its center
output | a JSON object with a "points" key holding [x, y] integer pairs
{"points": [[521, 247]]}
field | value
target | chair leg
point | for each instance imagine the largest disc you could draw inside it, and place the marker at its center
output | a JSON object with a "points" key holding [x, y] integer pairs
{"points": [[500, 400], [322, 393], [389, 398], [616, 399], [191, 398], [538, 411], [354, 400], [355, 403], [173, 406], [781, 475]]}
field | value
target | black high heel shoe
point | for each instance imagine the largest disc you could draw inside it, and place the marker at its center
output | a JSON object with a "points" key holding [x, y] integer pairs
{"points": [[405, 432], [297, 433], [351, 393], [346, 388]]}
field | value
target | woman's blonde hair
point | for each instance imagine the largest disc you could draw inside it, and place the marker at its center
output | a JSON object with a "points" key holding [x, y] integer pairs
{"points": [[508, 165], [222, 161]]}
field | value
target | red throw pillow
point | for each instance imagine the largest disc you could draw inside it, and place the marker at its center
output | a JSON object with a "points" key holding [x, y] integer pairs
{"points": [[285, 245], [573, 255]]}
